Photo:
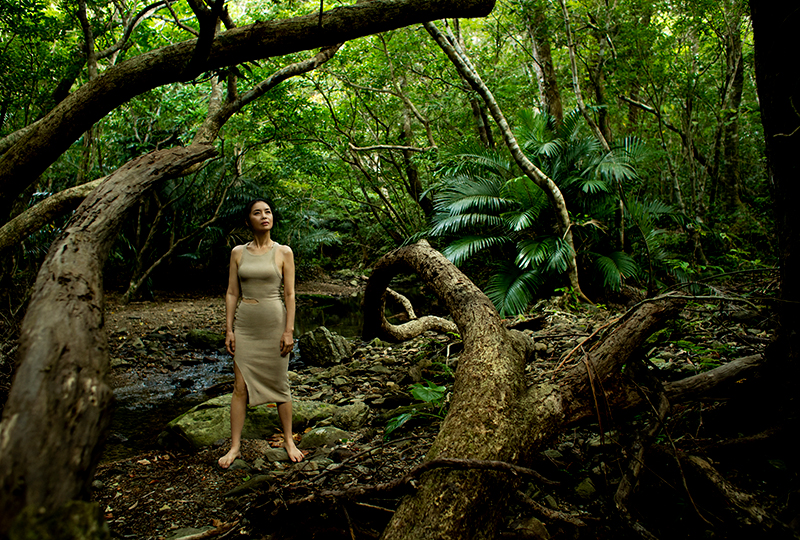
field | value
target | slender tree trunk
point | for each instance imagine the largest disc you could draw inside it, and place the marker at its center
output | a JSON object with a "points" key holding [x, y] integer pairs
{"points": [[554, 195], [57, 413], [549, 92], [730, 171]]}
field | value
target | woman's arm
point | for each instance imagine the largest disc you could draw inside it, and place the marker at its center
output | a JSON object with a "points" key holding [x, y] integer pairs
{"points": [[287, 339], [232, 298]]}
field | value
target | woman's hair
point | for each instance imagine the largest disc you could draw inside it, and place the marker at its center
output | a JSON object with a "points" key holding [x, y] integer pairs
{"points": [[249, 207]]}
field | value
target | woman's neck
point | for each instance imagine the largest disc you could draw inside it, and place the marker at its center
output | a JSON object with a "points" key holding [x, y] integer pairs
{"points": [[262, 240]]}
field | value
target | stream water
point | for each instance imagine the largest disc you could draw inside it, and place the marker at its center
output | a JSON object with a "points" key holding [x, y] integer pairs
{"points": [[152, 398]]}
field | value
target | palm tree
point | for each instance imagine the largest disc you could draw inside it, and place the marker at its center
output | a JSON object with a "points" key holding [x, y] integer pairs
{"points": [[486, 204]]}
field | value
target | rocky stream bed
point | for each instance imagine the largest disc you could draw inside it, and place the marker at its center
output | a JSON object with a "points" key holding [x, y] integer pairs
{"points": [[151, 487]]}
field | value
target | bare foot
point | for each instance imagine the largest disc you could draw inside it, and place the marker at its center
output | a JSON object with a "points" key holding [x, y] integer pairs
{"points": [[294, 454], [226, 460]]}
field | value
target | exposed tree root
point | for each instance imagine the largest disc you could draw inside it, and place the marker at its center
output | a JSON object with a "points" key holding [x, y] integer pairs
{"points": [[635, 465], [550, 514], [381, 327], [743, 506], [409, 479]]}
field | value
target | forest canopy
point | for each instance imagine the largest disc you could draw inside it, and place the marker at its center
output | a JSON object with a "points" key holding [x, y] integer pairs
{"points": [[644, 116]]}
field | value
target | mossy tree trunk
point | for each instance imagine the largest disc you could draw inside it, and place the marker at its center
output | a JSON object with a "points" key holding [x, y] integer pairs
{"points": [[58, 410]]}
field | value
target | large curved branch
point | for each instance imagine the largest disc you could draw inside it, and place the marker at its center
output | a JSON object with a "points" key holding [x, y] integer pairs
{"points": [[408, 330], [57, 411], [35, 151], [35, 217], [215, 121]]}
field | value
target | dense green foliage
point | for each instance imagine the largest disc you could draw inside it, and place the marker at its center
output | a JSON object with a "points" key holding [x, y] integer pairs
{"points": [[383, 144]]}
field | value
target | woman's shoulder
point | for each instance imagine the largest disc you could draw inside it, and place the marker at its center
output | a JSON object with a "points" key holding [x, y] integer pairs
{"points": [[284, 249], [236, 253]]}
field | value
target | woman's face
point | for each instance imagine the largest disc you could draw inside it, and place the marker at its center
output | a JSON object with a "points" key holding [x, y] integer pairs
{"points": [[261, 218]]}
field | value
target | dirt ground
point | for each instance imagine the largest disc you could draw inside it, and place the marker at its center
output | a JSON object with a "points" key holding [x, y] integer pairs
{"points": [[171, 493]]}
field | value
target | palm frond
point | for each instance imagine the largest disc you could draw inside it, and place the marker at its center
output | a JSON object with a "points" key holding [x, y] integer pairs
{"points": [[525, 192], [561, 257], [614, 169], [633, 148], [464, 248], [474, 159], [570, 125], [520, 220], [550, 252], [511, 289], [594, 185], [614, 267], [464, 222], [482, 194]]}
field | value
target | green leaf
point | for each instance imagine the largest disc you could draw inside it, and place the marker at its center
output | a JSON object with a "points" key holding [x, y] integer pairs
{"points": [[614, 267], [428, 394], [396, 422], [464, 248]]}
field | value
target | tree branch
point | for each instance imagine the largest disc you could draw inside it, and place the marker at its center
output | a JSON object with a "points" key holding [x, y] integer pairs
{"points": [[33, 153]]}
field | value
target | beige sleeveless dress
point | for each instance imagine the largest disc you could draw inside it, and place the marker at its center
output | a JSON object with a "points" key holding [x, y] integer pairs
{"points": [[258, 328]]}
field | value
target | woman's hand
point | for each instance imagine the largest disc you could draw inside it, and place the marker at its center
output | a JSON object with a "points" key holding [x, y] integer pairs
{"points": [[230, 342], [287, 343]]}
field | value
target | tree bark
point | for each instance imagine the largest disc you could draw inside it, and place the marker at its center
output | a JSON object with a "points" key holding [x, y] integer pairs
{"points": [[57, 412], [37, 149], [35, 217], [549, 92]]}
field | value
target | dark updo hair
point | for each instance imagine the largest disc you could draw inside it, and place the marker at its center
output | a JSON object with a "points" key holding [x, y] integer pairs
{"points": [[249, 207]]}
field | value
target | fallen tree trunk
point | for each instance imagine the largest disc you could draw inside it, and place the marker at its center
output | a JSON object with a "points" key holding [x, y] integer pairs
{"points": [[57, 413], [494, 415]]}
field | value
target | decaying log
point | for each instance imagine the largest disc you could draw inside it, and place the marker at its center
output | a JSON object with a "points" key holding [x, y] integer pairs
{"points": [[57, 412], [703, 383]]}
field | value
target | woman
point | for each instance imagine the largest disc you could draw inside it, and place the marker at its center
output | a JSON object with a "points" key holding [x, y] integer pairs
{"points": [[262, 339]]}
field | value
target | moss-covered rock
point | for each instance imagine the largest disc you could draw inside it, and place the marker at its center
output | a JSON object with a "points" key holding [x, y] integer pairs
{"points": [[205, 340], [209, 422]]}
